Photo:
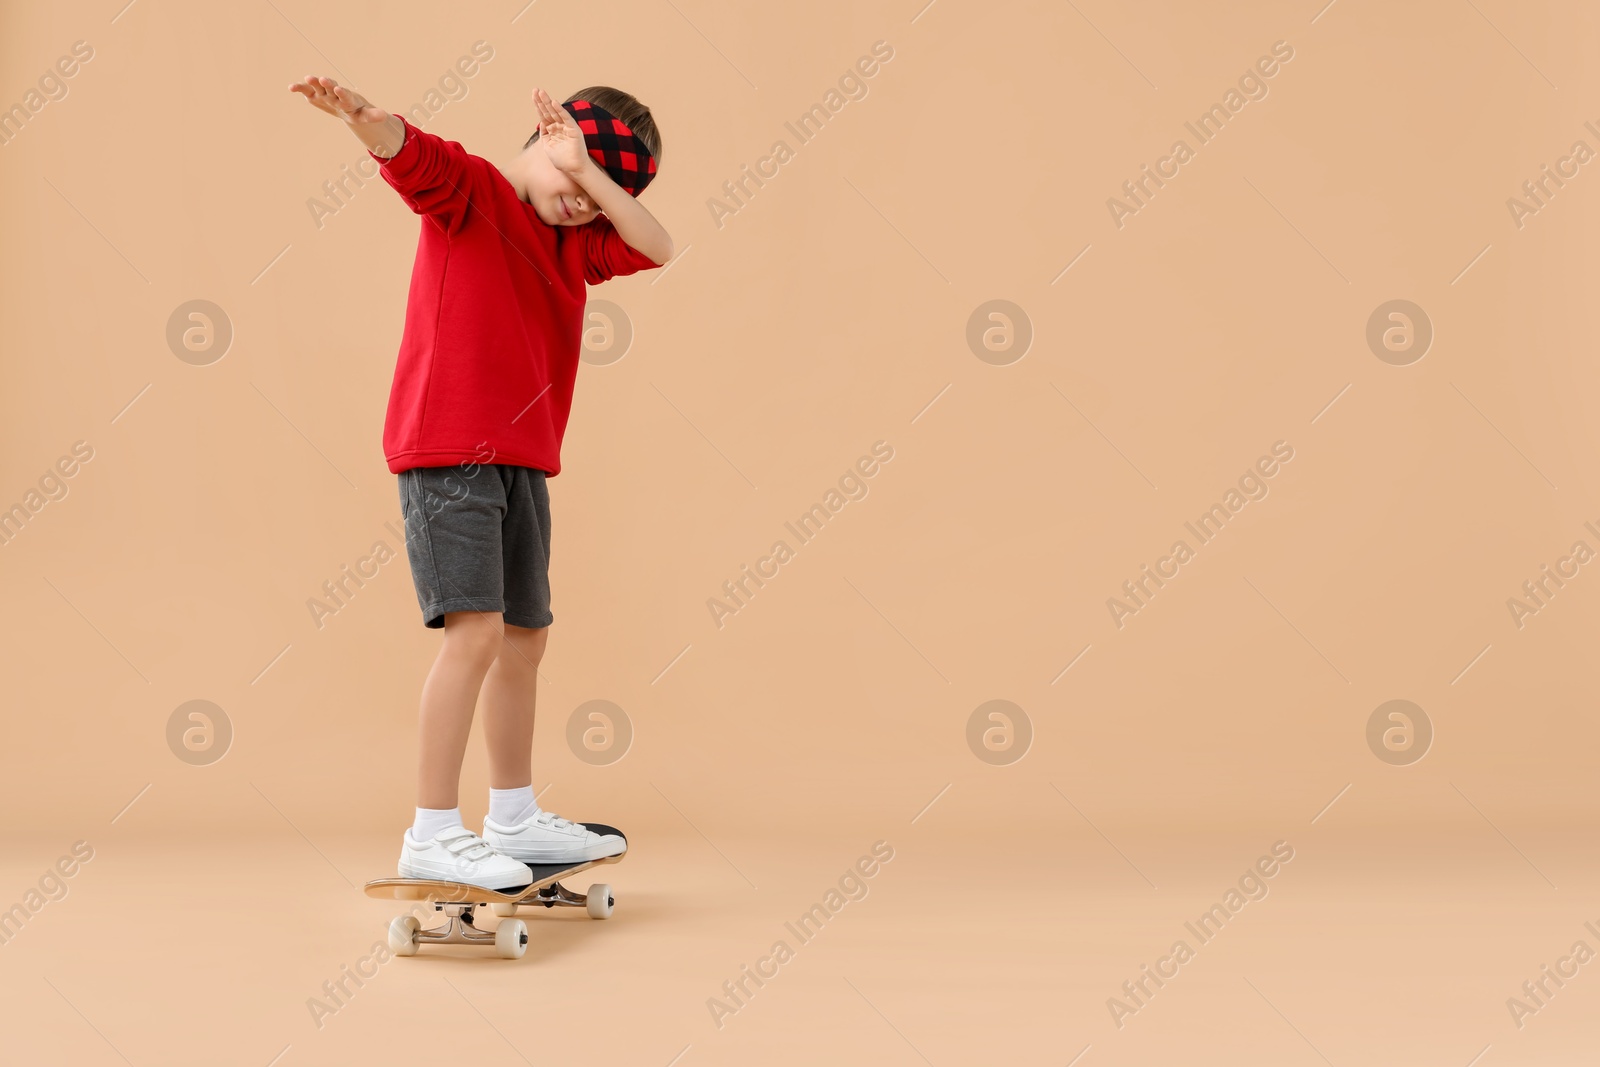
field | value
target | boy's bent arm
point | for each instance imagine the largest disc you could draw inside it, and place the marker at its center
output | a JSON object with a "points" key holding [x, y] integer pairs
{"points": [[633, 221]]}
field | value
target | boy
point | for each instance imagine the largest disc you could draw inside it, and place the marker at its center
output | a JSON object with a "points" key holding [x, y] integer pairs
{"points": [[481, 394]]}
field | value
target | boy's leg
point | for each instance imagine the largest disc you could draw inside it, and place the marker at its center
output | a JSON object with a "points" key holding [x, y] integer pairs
{"points": [[438, 846], [516, 825], [509, 693], [472, 640]]}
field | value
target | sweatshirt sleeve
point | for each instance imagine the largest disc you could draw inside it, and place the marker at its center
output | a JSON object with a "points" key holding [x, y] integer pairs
{"points": [[431, 175], [607, 255]]}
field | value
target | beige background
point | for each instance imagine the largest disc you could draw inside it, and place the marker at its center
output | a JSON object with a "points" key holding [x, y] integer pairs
{"points": [[829, 312]]}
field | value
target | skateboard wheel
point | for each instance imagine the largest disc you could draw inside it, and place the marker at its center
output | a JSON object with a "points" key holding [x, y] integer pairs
{"points": [[503, 910], [510, 939], [403, 935], [600, 901]]}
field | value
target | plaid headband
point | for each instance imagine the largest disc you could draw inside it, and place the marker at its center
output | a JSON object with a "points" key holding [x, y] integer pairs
{"points": [[615, 147]]}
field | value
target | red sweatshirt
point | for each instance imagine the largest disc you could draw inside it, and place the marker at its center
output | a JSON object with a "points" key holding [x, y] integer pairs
{"points": [[494, 316]]}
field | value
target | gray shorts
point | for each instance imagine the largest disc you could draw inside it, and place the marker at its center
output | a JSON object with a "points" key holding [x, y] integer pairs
{"points": [[478, 537]]}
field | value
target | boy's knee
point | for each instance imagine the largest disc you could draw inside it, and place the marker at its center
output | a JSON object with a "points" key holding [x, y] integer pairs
{"points": [[526, 645], [477, 634]]}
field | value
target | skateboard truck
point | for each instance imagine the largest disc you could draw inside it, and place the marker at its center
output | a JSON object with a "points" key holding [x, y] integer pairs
{"points": [[551, 895], [510, 938], [598, 901]]}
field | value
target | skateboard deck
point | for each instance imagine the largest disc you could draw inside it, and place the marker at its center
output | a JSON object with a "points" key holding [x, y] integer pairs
{"points": [[459, 901]]}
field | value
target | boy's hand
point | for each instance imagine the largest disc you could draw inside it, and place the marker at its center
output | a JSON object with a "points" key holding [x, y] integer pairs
{"points": [[377, 129], [328, 95], [563, 141]]}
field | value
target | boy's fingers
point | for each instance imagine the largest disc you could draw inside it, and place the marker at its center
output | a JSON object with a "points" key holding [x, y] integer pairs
{"points": [[328, 95], [547, 110]]}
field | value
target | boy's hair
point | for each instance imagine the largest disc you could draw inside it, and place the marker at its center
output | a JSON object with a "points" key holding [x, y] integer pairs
{"points": [[626, 107]]}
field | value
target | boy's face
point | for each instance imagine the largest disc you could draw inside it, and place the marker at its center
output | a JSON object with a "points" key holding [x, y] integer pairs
{"points": [[555, 197]]}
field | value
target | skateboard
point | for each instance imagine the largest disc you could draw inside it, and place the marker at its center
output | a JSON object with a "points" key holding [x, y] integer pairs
{"points": [[459, 903]]}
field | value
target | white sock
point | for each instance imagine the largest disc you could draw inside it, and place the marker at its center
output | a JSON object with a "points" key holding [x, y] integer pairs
{"points": [[510, 806], [433, 821]]}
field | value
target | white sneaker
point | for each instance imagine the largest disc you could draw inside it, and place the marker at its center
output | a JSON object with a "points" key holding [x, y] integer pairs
{"points": [[548, 838], [459, 855]]}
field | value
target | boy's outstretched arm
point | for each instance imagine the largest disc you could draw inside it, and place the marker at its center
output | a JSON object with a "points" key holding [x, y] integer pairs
{"points": [[430, 174], [633, 221], [380, 131]]}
